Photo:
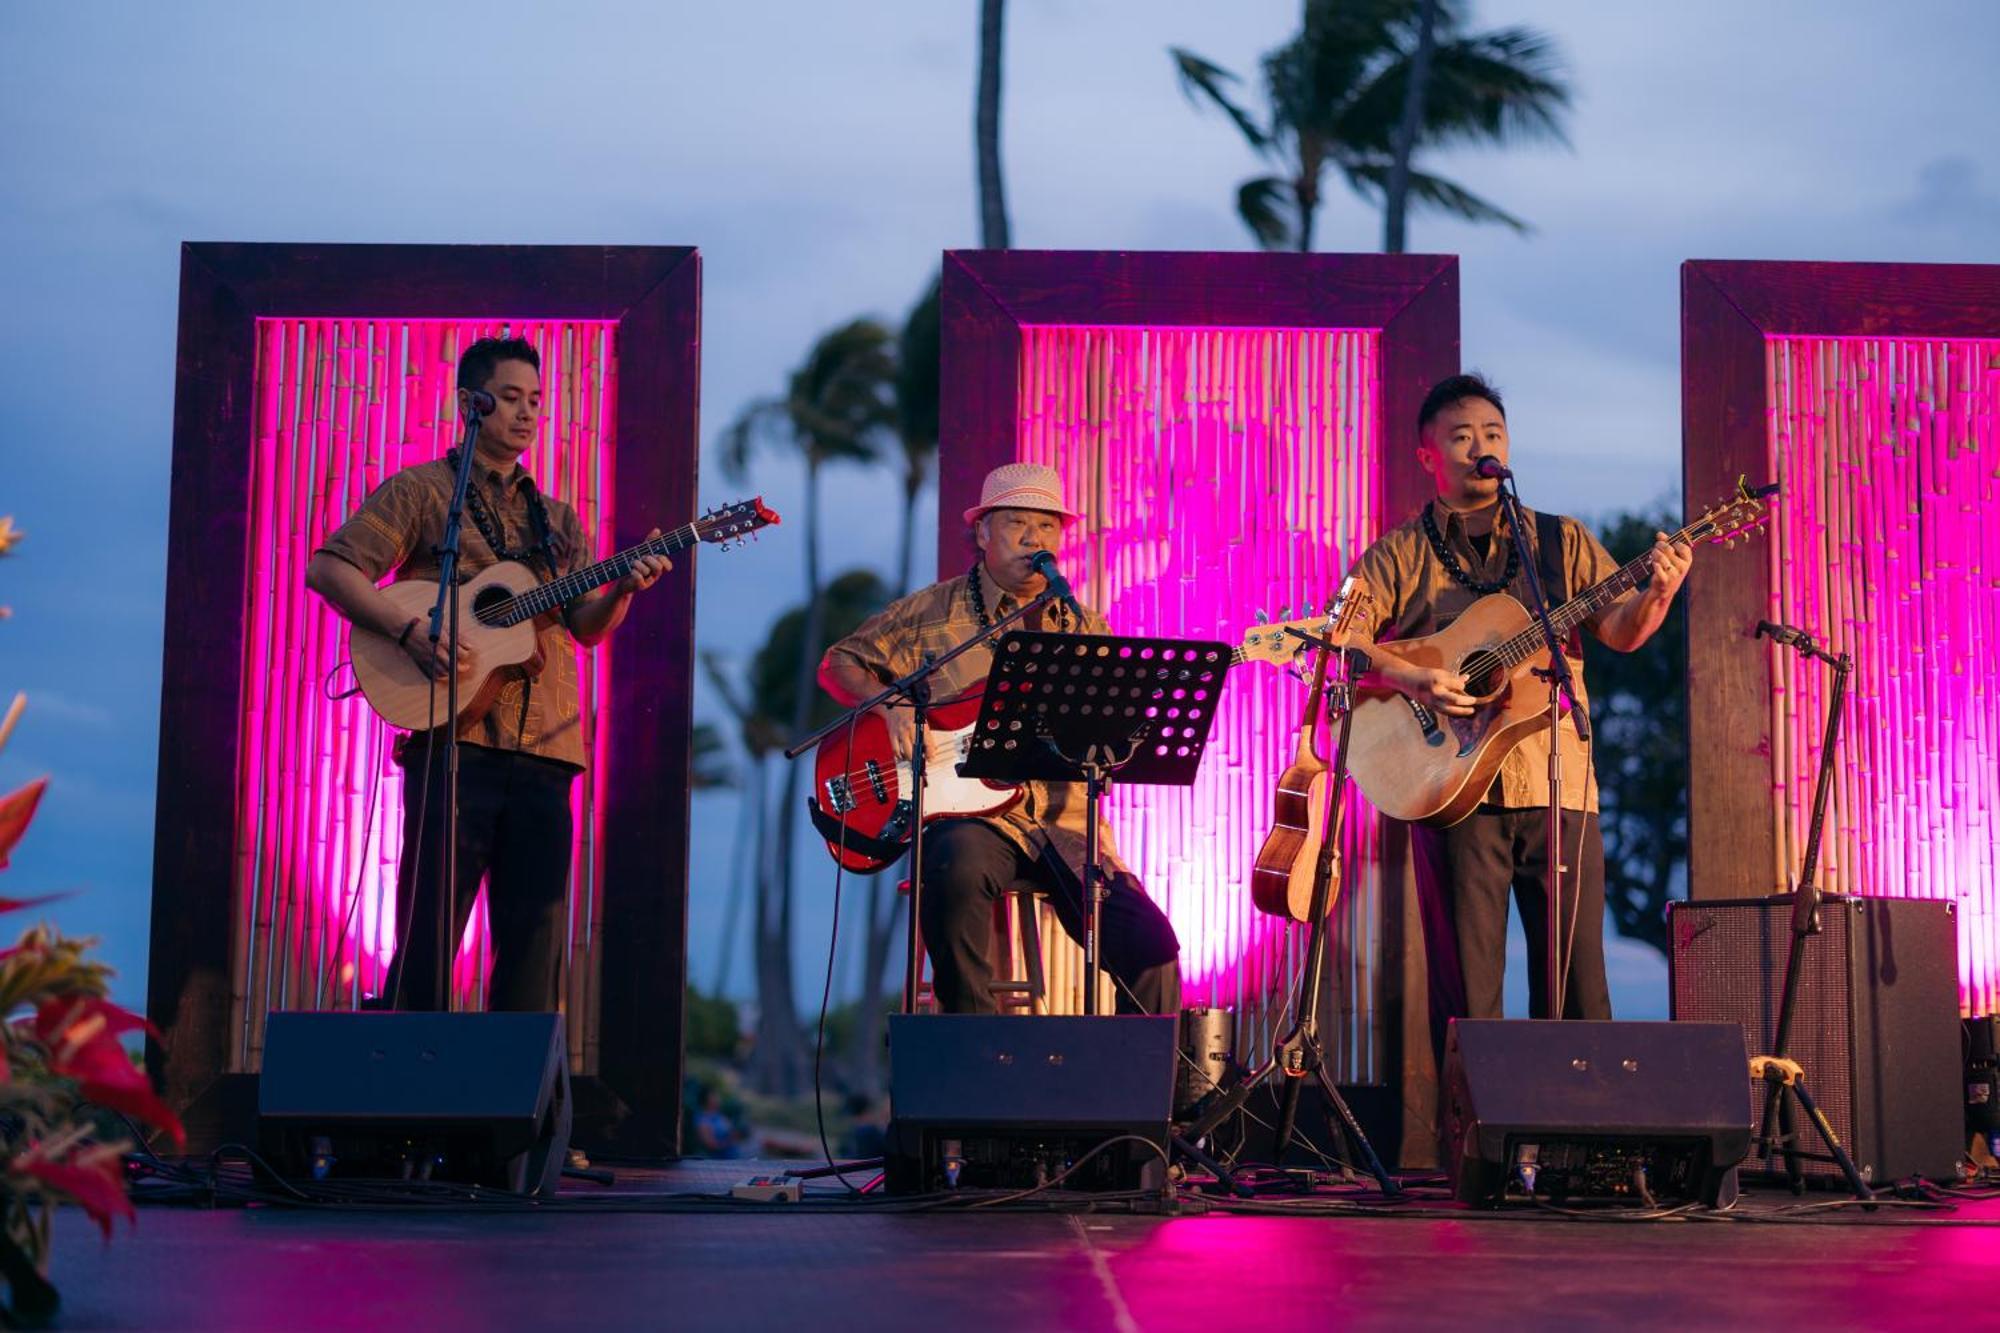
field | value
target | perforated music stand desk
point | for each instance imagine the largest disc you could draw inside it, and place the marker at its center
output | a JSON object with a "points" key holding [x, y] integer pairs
{"points": [[1088, 707]]}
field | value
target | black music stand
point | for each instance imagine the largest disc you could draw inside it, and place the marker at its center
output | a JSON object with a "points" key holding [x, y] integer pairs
{"points": [[1088, 707]]}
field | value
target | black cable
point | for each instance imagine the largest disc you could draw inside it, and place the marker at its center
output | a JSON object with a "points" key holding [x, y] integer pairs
{"points": [[1166, 1163], [826, 990]]}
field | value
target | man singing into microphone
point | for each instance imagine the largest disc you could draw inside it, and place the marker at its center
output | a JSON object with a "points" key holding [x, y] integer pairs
{"points": [[518, 760], [1423, 575], [970, 863]]}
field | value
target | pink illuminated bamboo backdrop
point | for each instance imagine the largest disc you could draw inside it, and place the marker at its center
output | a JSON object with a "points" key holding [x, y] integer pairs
{"points": [[340, 405], [1885, 543], [1219, 472]]}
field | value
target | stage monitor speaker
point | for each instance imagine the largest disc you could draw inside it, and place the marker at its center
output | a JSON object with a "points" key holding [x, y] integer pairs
{"points": [[1584, 1110], [1875, 1025], [469, 1098], [1012, 1100]]}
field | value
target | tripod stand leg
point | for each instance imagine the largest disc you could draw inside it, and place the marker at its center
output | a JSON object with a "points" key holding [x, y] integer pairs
{"points": [[1288, 1119], [1354, 1135], [1847, 1168], [1223, 1175]]}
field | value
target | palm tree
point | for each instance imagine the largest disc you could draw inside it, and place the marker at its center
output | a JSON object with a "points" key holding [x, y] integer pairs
{"points": [[917, 399], [1338, 92], [986, 127], [768, 708], [838, 407]]}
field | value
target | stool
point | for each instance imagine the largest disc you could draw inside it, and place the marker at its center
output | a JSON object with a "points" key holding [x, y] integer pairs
{"points": [[1016, 917]]}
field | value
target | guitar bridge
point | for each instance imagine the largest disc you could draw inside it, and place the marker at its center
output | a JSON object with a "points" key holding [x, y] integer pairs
{"points": [[1426, 719], [839, 796]]}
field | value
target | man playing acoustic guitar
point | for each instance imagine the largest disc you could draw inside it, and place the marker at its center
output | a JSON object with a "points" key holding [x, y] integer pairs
{"points": [[517, 758], [970, 862], [1423, 575]]}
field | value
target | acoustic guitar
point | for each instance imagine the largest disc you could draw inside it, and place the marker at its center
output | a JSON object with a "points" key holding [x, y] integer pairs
{"points": [[860, 803], [1281, 883], [497, 612], [1422, 766]]}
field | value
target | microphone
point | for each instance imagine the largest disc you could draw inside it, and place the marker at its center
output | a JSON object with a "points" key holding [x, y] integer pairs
{"points": [[1045, 564], [1784, 634], [482, 404], [1491, 468]]}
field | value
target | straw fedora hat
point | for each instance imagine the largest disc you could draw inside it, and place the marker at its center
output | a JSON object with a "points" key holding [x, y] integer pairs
{"points": [[1021, 486]]}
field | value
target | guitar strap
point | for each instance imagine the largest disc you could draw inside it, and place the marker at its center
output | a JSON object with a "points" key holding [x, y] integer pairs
{"points": [[1555, 584]]}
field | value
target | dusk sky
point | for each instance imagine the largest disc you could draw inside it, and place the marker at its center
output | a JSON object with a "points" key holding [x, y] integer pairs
{"points": [[821, 158]]}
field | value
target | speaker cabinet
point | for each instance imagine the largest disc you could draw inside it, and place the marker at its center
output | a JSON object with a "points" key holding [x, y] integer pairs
{"points": [[1875, 1025], [1010, 1101], [1587, 1110], [472, 1098]]}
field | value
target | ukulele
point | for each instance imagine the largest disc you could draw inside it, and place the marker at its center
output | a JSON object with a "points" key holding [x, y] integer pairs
{"points": [[1281, 884]]}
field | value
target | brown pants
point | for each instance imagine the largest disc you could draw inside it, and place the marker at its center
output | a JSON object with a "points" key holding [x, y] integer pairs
{"points": [[1464, 876]]}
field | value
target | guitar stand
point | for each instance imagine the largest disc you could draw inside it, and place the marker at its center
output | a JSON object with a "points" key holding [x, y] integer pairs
{"points": [[1298, 1055]]}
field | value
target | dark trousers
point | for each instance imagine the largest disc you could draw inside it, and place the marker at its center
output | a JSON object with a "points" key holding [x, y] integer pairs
{"points": [[513, 825], [1464, 876], [968, 865]]}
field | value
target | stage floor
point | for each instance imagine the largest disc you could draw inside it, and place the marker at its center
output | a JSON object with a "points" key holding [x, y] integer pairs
{"points": [[617, 1258]]}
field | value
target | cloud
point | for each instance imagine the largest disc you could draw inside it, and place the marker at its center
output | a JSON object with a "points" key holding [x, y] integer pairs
{"points": [[1948, 194], [51, 707]]}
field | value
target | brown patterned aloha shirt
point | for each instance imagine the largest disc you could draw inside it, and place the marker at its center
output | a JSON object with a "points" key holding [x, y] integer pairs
{"points": [[398, 528]]}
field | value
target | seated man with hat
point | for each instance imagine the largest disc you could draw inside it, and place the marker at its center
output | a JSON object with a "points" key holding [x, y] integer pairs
{"points": [[969, 863]]}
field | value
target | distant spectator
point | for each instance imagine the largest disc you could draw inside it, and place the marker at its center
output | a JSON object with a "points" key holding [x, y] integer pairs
{"points": [[715, 1134]]}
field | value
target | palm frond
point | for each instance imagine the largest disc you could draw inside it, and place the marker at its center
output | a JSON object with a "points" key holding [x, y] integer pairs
{"points": [[740, 439], [1371, 177], [1268, 206], [918, 391], [1207, 78]]}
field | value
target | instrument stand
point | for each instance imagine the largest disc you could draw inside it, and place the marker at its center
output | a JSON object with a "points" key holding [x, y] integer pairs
{"points": [[1086, 707], [915, 688], [1780, 1074], [1562, 686], [448, 548], [1298, 1054]]}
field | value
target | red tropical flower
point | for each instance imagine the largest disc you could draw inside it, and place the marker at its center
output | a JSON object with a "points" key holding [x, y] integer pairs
{"points": [[81, 1033], [93, 1177], [16, 809]]}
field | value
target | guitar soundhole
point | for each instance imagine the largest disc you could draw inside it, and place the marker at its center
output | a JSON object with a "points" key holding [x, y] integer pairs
{"points": [[486, 606], [1484, 674]]}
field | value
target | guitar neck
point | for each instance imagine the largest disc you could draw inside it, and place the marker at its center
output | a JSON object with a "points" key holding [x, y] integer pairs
{"points": [[1594, 599], [548, 596]]}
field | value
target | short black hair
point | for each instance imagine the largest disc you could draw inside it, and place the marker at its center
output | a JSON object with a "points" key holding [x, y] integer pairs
{"points": [[477, 363], [1449, 390]]}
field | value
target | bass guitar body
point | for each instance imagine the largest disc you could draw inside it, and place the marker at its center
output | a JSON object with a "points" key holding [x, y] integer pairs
{"points": [[1420, 766], [398, 689], [861, 787]]}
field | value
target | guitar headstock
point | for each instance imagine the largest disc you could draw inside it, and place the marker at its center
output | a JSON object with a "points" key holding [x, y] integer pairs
{"points": [[1352, 599], [735, 522], [1269, 642], [1734, 518]]}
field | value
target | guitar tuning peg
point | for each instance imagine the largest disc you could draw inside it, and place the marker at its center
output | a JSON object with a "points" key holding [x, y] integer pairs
{"points": [[1262, 619]]}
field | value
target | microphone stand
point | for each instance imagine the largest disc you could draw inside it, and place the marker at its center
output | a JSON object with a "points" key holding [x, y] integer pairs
{"points": [[1781, 1074], [915, 687], [447, 605], [1562, 685]]}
